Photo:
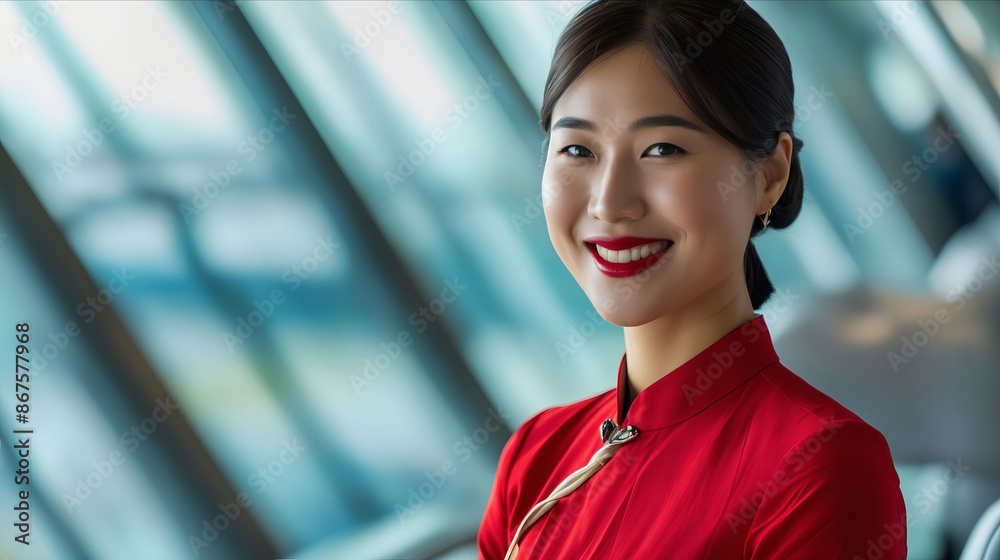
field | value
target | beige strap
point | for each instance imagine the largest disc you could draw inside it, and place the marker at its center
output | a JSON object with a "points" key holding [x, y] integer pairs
{"points": [[614, 438]]}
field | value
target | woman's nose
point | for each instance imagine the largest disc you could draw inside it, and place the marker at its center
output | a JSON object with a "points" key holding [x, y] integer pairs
{"points": [[617, 195]]}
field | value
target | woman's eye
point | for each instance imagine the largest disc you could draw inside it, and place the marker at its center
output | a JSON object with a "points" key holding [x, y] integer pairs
{"points": [[661, 149], [576, 150], [665, 149]]}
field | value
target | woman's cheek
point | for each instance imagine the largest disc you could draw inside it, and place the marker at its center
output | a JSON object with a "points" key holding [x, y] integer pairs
{"points": [[560, 205], [718, 198], [556, 184], [687, 202]]}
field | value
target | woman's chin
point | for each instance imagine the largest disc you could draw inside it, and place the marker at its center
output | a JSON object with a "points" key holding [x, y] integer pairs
{"points": [[624, 314]]}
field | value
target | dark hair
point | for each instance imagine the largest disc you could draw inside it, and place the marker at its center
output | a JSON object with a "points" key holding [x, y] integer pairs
{"points": [[726, 63]]}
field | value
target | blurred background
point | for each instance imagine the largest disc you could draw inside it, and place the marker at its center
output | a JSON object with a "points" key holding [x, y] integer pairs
{"points": [[290, 290]]}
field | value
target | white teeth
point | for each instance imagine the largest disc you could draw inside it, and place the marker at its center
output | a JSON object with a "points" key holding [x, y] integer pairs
{"points": [[633, 254]]}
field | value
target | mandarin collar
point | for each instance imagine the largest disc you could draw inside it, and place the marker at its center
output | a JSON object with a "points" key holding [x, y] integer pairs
{"points": [[697, 383]]}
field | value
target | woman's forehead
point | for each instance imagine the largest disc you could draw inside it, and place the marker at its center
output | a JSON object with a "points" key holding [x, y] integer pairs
{"points": [[620, 88]]}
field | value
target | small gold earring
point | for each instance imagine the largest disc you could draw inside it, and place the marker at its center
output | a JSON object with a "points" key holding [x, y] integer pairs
{"points": [[766, 219]]}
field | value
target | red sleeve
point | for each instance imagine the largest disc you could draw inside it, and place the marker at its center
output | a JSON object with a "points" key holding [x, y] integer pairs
{"points": [[496, 529], [835, 495]]}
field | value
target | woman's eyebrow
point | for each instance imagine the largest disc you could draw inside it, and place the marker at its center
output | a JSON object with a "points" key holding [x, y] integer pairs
{"points": [[644, 122]]}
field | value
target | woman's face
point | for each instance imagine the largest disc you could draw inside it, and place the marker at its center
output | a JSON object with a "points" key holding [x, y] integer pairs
{"points": [[683, 191]]}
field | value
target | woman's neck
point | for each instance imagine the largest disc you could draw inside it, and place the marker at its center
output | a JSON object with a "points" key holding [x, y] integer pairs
{"points": [[656, 348]]}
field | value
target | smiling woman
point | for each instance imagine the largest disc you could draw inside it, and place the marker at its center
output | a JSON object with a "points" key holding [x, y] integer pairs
{"points": [[671, 146]]}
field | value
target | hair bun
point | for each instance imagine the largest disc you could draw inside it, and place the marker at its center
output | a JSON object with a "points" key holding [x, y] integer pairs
{"points": [[797, 144]]}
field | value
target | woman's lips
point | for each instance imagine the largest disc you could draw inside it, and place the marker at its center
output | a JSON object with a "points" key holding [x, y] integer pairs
{"points": [[639, 254]]}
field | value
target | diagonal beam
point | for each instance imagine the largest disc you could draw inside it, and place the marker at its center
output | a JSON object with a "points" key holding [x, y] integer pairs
{"points": [[448, 369]]}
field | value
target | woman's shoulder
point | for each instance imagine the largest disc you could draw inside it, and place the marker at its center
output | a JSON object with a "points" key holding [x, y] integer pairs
{"points": [[807, 415], [552, 431], [789, 394], [556, 419], [829, 480]]}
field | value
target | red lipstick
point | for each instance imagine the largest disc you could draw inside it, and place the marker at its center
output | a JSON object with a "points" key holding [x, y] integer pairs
{"points": [[607, 250]]}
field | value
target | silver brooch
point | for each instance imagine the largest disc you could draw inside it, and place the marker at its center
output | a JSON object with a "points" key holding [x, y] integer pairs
{"points": [[612, 434]]}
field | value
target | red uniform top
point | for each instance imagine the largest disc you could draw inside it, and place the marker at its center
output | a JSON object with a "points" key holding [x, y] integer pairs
{"points": [[736, 457]]}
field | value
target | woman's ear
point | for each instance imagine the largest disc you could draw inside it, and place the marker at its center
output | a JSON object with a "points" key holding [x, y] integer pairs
{"points": [[775, 171]]}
